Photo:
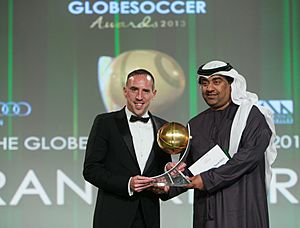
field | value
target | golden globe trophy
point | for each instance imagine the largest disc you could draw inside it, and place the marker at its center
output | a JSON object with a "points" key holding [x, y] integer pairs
{"points": [[173, 138]]}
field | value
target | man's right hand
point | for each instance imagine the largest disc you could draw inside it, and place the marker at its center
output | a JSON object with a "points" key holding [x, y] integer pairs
{"points": [[139, 183]]}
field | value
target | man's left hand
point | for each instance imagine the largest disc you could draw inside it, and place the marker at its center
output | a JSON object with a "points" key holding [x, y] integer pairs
{"points": [[196, 182]]}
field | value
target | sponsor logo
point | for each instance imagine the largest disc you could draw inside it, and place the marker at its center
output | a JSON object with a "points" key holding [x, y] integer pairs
{"points": [[11, 108], [14, 109], [282, 110]]}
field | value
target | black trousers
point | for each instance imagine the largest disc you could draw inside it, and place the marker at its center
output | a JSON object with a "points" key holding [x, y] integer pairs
{"points": [[139, 220]]}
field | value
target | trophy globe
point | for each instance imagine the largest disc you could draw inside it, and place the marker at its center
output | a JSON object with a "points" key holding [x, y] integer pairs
{"points": [[173, 138]]}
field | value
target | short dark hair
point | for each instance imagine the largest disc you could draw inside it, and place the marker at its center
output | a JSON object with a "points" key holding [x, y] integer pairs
{"points": [[141, 71]]}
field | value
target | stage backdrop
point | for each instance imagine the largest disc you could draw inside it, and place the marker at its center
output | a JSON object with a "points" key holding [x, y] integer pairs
{"points": [[63, 62]]}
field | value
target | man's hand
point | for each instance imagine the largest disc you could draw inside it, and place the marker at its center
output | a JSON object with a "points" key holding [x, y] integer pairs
{"points": [[196, 182], [139, 183]]}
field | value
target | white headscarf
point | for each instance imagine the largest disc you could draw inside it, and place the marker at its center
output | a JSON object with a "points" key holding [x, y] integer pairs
{"points": [[245, 100]]}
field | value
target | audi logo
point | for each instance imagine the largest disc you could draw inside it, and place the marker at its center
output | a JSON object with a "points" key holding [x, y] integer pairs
{"points": [[11, 108]]}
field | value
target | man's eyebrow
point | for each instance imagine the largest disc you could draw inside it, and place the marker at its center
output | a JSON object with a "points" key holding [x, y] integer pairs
{"points": [[203, 79]]}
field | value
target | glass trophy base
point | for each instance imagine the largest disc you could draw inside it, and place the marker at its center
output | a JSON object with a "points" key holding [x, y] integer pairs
{"points": [[173, 178]]}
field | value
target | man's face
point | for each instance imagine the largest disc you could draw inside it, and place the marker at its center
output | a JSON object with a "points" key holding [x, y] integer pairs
{"points": [[139, 92], [216, 91]]}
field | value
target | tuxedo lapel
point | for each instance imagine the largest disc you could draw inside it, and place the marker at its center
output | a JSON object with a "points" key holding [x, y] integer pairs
{"points": [[122, 124], [153, 150]]}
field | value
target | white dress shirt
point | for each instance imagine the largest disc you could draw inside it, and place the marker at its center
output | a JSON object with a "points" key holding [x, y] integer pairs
{"points": [[142, 137]]}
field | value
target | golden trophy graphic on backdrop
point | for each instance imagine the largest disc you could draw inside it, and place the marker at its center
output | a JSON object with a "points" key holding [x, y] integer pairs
{"points": [[112, 72], [173, 138]]}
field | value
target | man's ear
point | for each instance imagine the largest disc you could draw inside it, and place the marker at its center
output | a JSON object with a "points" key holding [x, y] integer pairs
{"points": [[124, 91], [154, 92]]}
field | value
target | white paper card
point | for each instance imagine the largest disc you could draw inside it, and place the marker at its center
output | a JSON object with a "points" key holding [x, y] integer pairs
{"points": [[212, 159]]}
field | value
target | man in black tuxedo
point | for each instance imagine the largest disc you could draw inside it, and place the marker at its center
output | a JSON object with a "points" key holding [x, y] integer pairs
{"points": [[122, 154]]}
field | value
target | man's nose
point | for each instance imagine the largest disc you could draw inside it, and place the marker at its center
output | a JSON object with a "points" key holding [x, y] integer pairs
{"points": [[139, 95], [210, 87]]}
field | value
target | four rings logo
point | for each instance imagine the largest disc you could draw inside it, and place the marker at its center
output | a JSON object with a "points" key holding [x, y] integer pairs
{"points": [[14, 109]]}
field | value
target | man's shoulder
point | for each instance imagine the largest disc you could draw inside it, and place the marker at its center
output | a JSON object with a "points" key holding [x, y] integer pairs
{"points": [[256, 118], [158, 119], [108, 115], [200, 116], [255, 112]]}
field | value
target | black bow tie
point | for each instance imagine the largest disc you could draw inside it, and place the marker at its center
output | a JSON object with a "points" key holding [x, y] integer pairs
{"points": [[139, 118]]}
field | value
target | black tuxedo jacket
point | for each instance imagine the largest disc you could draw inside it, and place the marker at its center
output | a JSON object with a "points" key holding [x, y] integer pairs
{"points": [[110, 161]]}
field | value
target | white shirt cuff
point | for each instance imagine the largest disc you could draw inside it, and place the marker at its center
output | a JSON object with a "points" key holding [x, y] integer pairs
{"points": [[130, 192]]}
